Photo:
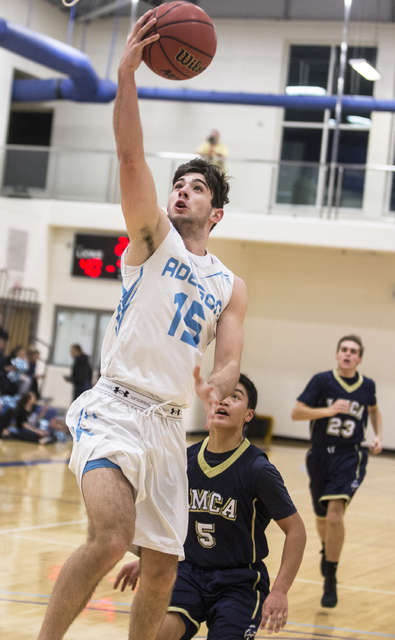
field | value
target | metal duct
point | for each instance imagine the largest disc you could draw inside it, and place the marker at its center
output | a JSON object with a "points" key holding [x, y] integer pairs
{"points": [[83, 85]]}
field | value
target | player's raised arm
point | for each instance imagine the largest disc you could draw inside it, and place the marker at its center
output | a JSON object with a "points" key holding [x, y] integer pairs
{"points": [[146, 222], [228, 349]]}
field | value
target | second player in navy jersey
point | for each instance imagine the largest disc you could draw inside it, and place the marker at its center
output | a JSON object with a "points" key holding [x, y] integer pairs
{"points": [[338, 404], [234, 492]]}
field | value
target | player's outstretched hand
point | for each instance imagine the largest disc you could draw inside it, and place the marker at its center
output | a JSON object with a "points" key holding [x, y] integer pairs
{"points": [[274, 612], [136, 42], [207, 394], [129, 574]]}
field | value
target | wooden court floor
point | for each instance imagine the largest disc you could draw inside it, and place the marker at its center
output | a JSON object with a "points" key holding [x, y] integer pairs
{"points": [[42, 521]]}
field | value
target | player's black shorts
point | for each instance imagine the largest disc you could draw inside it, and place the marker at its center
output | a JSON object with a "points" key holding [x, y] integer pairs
{"points": [[228, 600], [335, 475]]}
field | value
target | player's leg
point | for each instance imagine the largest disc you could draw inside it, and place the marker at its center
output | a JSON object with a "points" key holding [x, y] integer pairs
{"points": [[172, 627], [316, 466], [320, 524], [335, 533], [111, 515], [157, 577], [334, 540]]}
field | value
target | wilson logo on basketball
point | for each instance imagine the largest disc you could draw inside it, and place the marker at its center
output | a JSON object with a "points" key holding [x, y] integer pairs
{"points": [[188, 60]]}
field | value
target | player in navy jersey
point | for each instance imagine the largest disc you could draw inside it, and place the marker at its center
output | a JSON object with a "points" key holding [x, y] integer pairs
{"points": [[338, 404], [234, 492]]}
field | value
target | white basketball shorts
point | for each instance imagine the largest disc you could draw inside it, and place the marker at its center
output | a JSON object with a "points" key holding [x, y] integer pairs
{"points": [[149, 448]]}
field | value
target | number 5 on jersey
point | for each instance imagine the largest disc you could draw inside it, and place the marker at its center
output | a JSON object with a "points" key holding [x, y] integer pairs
{"points": [[204, 533]]}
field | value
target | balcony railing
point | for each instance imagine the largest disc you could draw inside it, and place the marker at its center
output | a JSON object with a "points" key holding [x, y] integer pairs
{"points": [[257, 186]]}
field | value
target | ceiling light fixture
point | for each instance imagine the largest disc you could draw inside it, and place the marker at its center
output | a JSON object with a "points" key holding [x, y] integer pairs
{"points": [[362, 66], [305, 91]]}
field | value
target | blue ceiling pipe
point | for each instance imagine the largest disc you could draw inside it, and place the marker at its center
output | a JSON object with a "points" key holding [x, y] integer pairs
{"points": [[83, 85]]}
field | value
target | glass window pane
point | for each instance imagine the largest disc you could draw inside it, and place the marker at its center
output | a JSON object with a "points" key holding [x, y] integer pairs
{"points": [[297, 185], [308, 66], [301, 144], [353, 147], [73, 327], [354, 83]]}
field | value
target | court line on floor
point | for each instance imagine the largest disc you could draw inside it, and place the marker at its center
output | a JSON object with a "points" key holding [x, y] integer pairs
{"points": [[31, 463], [344, 586], [43, 526], [62, 544], [318, 626], [127, 604], [21, 494]]}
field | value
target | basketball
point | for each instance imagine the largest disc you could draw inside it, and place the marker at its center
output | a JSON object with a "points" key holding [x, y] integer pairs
{"points": [[187, 42]]}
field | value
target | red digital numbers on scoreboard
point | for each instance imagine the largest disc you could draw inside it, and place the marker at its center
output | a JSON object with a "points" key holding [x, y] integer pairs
{"points": [[98, 256]]}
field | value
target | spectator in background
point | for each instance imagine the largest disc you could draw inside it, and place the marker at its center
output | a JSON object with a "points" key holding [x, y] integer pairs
{"points": [[17, 371], [27, 421], [3, 361], [81, 371], [33, 355], [213, 151], [35, 423]]}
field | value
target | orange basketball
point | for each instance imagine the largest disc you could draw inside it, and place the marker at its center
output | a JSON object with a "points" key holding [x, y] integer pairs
{"points": [[187, 42]]}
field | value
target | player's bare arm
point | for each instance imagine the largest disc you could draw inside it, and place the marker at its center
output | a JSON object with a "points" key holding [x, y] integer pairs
{"points": [[146, 222], [377, 424], [275, 607], [302, 411], [228, 349]]}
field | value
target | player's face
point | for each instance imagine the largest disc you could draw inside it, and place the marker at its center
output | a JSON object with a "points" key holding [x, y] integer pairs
{"points": [[190, 203], [348, 357], [233, 411]]}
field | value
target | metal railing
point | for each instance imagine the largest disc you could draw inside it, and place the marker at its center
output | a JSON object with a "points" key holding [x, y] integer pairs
{"points": [[257, 185]]}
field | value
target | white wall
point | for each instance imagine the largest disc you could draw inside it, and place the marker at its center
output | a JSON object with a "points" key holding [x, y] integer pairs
{"points": [[301, 300]]}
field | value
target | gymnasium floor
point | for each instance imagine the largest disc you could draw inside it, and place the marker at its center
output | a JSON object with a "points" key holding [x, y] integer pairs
{"points": [[42, 521]]}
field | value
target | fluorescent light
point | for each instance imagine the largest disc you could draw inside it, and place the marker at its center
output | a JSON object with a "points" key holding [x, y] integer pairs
{"points": [[360, 121], [305, 91], [363, 67]]}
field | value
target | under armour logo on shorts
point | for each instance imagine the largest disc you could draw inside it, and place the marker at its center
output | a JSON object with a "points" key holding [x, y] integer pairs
{"points": [[251, 631], [124, 393], [175, 412]]}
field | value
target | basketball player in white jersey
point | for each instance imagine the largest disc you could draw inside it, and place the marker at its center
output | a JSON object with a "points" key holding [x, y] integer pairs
{"points": [[129, 442]]}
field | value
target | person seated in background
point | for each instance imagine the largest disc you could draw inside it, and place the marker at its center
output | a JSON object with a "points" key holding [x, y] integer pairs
{"points": [[34, 423], [81, 371], [17, 371], [33, 355], [213, 151], [3, 361]]}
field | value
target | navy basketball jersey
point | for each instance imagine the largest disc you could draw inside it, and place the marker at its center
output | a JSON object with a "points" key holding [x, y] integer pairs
{"points": [[231, 504], [343, 429]]}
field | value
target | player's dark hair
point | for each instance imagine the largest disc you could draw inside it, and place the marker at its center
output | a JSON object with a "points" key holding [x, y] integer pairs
{"points": [[252, 393], [353, 338], [215, 178]]}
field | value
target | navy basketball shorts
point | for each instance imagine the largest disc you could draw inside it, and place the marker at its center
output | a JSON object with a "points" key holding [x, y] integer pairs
{"points": [[228, 600], [335, 476]]}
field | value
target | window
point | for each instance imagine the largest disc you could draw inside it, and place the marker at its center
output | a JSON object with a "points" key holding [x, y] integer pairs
{"points": [[85, 327], [307, 135]]}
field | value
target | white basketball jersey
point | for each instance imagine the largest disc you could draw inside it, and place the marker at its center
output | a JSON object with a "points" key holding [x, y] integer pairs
{"points": [[166, 317]]}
